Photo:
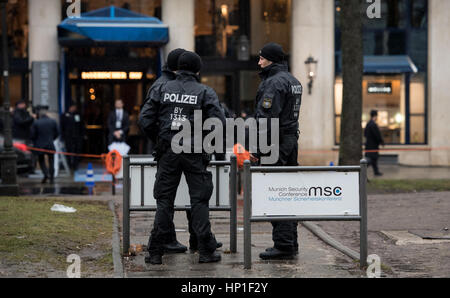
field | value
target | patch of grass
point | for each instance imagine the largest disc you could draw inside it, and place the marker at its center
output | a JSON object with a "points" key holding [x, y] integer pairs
{"points": [[407, 186], [31, 233]]}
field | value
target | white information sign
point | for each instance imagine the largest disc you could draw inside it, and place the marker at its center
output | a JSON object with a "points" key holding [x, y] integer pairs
{"points": [[182, 198], [305, 194]]}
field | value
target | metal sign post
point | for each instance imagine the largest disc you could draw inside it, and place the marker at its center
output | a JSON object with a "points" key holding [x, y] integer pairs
{"points": [[339, 216]]}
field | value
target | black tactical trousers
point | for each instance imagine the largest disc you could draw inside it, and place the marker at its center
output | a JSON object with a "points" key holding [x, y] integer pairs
{"points": [[284, 233], [199, 180]]}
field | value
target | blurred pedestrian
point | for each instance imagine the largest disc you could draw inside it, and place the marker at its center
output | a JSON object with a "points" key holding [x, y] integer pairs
{"points": [[43, 133], [22, 121], [118, 123], [373, 141], [72, 133]]}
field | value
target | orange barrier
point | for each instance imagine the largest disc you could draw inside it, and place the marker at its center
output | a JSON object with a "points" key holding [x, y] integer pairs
{"points": [[113, 161], [242, 155]]}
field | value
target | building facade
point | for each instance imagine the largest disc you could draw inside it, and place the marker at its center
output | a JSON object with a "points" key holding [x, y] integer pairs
{"points": [[405, 64]]}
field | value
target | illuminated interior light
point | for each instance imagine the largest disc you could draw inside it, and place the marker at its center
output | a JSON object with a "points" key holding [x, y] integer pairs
{"points": [[135, 75], [398, 118]]}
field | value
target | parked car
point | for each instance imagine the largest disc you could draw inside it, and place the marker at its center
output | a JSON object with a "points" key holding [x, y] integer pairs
{"points": [[24, 157]]}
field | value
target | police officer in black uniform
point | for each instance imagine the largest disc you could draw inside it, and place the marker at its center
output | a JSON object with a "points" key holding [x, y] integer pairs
{"points": [[168, 74], [279, 96], [167, 108]]}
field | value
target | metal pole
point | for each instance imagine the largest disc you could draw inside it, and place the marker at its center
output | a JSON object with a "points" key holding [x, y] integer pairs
{"points": [[113, 185], [247, 216], [8, 157], [233, 204], [363, 213], [126, 204]]}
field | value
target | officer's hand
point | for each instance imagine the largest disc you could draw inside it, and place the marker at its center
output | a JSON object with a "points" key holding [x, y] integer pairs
{"points": [[253, 158]]}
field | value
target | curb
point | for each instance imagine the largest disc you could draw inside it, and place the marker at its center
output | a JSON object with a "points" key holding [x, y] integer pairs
{"points": [[117, 259], [322, 235]]}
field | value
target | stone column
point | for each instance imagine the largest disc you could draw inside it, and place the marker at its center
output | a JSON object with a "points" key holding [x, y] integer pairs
{"points": [[179, 15], [43, 17], [313, 34], [438, 66]]}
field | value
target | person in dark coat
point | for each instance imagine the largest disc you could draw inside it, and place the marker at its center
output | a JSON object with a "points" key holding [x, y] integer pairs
{"points": [[72, 133], [43, 132], [22, 121], [279, 96], [118, 123], [167, 74], [373, 142], [161, 115]]}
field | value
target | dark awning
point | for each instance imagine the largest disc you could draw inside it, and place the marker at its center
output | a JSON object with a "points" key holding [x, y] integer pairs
{"points": [[389, 64], [111, 25]]}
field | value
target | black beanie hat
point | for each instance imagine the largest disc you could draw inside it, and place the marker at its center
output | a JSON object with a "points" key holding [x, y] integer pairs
{"points": [[172, 59], [272, 52], [190, 61]]}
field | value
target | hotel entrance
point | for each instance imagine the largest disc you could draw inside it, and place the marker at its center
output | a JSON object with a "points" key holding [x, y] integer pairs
{"points": [[95, 100], [108, 54]]}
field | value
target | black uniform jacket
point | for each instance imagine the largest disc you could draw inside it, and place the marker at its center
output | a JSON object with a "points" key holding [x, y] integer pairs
{"points": [[171, 104], [43, 132], [279, 96], [166, 75]]}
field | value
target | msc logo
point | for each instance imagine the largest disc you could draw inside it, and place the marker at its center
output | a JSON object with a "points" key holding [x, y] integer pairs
{"points": [[325, 191]]}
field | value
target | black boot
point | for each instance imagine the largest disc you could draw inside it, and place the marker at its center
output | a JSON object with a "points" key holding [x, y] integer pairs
{"points": [[174, 247], [211, 258], [272, 248], [276, 254], [194, 247]]}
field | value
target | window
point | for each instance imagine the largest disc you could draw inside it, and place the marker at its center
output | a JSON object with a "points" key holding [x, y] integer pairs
{"points": [[216, 27], [401, 30], [270, 22], [417, 110]]}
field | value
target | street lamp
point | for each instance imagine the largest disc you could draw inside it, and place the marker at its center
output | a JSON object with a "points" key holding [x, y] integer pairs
{"points": [[311, 67], [8, 158]]}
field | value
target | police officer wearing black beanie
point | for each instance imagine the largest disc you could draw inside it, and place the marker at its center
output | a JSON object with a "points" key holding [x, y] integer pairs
{"points": [[279, 96], [163, 112], [168, 73]]}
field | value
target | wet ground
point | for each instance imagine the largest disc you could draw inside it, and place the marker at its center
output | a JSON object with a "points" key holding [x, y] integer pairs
{"points": [[406, 213], [395, 222], [315, 259]]}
